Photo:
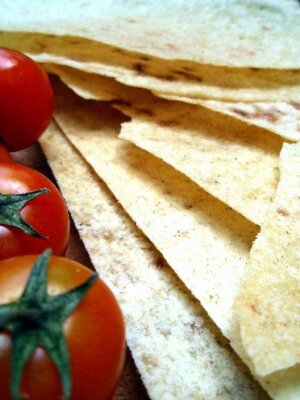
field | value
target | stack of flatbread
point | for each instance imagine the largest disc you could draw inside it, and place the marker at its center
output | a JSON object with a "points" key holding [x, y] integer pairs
{"points": [[174, 143]]}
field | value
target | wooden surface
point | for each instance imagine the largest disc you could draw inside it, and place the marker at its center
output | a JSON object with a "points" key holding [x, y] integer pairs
{"points": [[130, 386]]}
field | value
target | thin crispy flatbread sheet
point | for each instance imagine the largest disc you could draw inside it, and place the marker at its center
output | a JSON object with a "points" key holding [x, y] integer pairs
{"points": [[204, 241], [280, 118], [238, 33], [234, 162], [179, 352], [98, 87], [268, 305], [170, 78]]}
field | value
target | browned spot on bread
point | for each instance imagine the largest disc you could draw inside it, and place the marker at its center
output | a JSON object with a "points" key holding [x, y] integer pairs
{"points": [[187, 69], [146, 111], [108, 236], [131, 20], [240, 112], [168, 77], [254, 308], [74, 42], [295, 105], [160, 262], [140, 68], [188, 75], [119, 51], [144, 58], [270, 116], [168, 192], [171, 46], [283, 212]]}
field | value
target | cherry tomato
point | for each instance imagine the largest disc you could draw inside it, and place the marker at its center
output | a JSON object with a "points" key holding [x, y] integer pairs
{"points": [[5, 157], [26, 100], [94, 334], [47, 214]]}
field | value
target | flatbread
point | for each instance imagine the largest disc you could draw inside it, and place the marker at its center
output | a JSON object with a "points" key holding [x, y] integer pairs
{"points": [[187, 225], [170, 78], [177, 349], [268, 305], [234, 162], [98, 87], [204, 241], [281, 118], [236, 33]]}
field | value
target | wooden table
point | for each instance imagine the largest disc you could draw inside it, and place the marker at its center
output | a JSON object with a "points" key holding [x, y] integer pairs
{"points": [[130, 386]]}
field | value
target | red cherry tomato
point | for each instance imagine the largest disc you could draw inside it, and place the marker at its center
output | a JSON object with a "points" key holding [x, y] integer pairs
{"points": [[5, 157], [47, 214], [26, 100], [94, 334]]}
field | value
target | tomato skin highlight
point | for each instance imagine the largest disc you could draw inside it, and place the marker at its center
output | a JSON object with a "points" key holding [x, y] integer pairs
{"points": [[5, 157], [48, 214], [26, 100], [94, 332]]}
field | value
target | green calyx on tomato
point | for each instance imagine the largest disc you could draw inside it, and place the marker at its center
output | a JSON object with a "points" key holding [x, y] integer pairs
{"points": [[48, 214], [10, 210], [36, 319]]}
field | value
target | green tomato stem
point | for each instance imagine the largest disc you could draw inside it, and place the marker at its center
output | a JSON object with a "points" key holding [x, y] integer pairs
{"points": [[10, 210], [37, 320]]}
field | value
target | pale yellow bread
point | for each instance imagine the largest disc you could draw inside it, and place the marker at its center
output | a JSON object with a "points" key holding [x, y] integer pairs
{"points": [[231, 160], [169, 78], [205, 242], [268, 304], [282, 118], [236, 33], [179, 352]]}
